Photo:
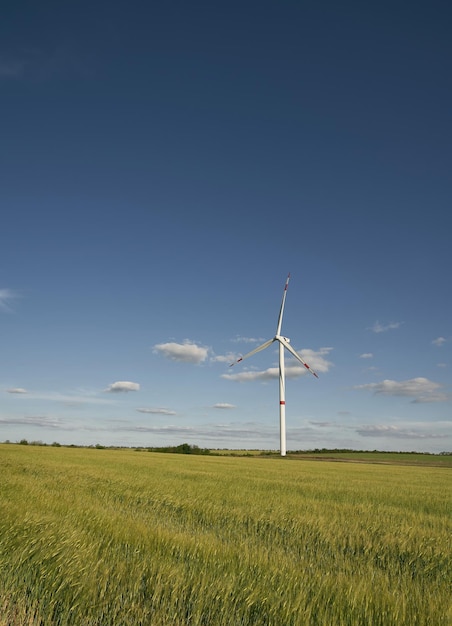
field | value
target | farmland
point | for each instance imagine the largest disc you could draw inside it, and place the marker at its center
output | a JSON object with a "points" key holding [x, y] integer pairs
{"points": [[119, 537]]}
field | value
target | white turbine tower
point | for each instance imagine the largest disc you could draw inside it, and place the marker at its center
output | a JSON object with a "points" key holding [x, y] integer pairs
{"points": [[284, 342]]}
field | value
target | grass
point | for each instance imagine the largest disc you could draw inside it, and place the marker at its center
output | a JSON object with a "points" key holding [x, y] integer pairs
{"points": [[116, 537]]}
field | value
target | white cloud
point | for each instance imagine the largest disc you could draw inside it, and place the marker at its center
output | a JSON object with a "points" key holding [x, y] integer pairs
{"points": [[439, 341], [249, 376], [230, 357], [187, 352], [366, 355], [157, 411], [123, 385], [293, 369], [316, 359], [17, 390], [379, 328], [6, 296], [421, 389], [223, 405]]}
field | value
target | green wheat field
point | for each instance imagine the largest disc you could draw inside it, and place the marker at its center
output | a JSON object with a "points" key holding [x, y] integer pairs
{"points": [[120, 537]]}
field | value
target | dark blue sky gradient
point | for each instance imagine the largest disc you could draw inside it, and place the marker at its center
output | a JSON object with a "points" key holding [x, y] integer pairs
{"points": [[163, 166]]}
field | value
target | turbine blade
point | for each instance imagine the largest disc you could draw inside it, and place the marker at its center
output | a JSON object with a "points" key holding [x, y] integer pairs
{"points": [[287, 345], [281, 310], [258, 349]]}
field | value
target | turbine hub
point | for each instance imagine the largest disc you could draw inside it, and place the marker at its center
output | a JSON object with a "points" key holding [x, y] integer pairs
{"points": [[282, 337]]}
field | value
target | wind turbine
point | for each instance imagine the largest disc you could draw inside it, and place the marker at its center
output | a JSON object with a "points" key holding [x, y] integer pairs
{"points": [[283, 342]]}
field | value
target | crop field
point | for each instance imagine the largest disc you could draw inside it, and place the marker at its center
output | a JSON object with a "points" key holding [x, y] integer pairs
{"points": [[119, 537]]}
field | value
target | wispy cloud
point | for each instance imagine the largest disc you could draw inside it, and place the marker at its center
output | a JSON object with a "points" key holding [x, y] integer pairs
{"points": [[366, 355], [212, 432], [122, 386], [40, 421], [6, 297], [420, 389], [316, 359], [76, 398], [11, 68], [156, 411], [240, 339], [34, 64], [51, 422], [224, 405], [158, 429], [391, 431], [186, 352], [439, 341], [381, 328], [26, 63]]}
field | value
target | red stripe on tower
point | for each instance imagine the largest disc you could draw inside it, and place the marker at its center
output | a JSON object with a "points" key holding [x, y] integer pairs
{"points": [[282, 402]]}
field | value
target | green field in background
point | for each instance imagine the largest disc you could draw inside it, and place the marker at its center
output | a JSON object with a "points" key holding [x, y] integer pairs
{"points": [[394, 458]]}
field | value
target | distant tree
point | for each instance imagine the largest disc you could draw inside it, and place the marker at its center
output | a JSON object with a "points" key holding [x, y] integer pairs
{"points": [[23, 442], [183, 448]]}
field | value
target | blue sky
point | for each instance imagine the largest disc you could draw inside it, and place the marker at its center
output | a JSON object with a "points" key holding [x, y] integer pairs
{"points": [[165, 165]]}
